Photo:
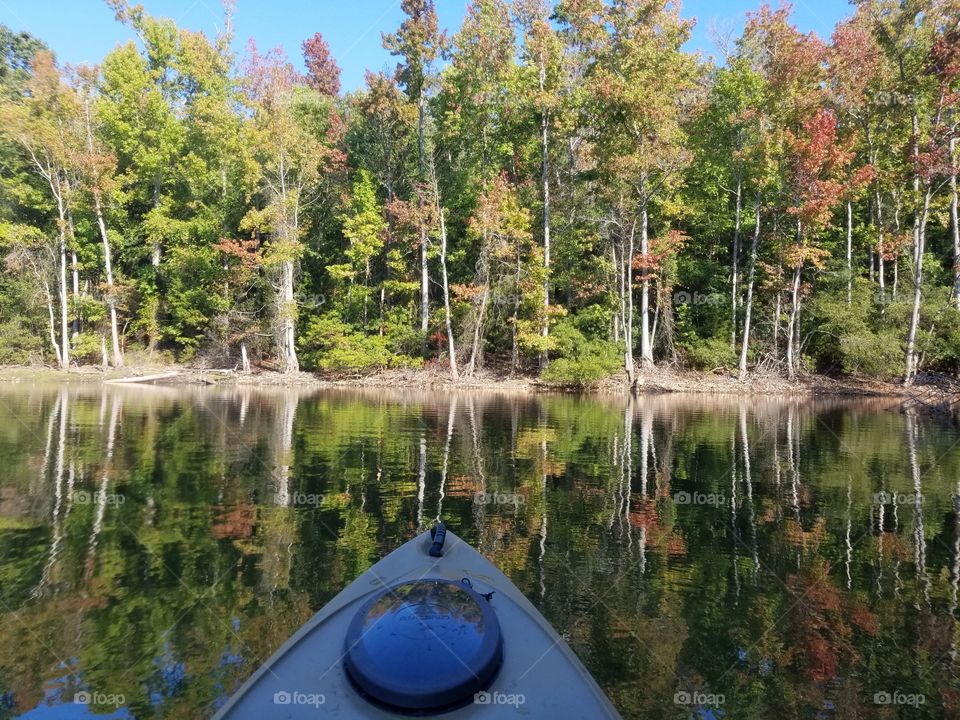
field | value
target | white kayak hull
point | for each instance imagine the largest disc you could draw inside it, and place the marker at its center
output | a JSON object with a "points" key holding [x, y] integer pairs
{"points": [[540, 676]]}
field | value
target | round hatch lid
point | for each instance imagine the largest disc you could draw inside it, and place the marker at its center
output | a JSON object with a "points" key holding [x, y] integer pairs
{"points": [[424, 645]]}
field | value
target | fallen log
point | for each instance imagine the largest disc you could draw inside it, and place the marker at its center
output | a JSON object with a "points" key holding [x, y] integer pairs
{"points": [[143, 378]]}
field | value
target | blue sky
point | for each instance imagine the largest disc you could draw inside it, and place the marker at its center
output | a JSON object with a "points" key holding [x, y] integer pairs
{"points": [[83, 31]]}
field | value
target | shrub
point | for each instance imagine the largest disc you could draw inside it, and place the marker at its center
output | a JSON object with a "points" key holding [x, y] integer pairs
{"points": [[861, 337], [19, 344], [580, 361], [701, 353], [872, 353], [709, 353], [334, 346]]}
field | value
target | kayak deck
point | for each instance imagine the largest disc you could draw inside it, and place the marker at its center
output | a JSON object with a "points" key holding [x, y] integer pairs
{"points": [[540, 676]]}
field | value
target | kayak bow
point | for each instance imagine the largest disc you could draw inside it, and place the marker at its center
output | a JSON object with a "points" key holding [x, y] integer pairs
{"points": [[432, 629]]}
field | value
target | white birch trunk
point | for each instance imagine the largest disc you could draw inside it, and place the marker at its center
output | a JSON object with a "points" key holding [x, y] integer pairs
{"points": [[64, 327], [646, 346], [954, 222], [735, 262], [849, 252], [748, 309], [286, 307], [451, 343], [545, 191]]}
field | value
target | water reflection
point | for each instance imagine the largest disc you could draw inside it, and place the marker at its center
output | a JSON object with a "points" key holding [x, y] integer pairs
{"points": [[787, 558]]}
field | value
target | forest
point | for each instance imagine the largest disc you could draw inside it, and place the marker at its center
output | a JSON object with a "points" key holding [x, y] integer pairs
{"points": [[553, 190], [812, 584]]}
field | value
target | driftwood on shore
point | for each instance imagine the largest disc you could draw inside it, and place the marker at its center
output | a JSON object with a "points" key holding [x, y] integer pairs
{"points": [[143, 378], [936, 393]]}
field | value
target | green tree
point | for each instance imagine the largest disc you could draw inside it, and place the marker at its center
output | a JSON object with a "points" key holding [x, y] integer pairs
{"points": [[542, 82], [364, 228], [639, 80], [46, 125], [420, 43], [291, 133]]}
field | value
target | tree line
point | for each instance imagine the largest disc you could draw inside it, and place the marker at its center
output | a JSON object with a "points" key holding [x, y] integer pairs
{"points": [[561, 189]]}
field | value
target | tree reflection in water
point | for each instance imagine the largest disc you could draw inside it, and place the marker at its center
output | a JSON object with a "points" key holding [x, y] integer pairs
{"points": [[796, 558]]}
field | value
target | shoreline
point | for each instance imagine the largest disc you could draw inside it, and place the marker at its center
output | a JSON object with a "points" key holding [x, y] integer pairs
{"points": [[653, 382]]}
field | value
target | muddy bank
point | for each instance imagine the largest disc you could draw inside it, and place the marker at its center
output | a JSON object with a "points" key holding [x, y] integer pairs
{"points": [[660, 380]]}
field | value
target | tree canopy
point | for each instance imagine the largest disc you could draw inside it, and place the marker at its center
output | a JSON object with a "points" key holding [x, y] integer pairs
{"points": [[562, 190]]}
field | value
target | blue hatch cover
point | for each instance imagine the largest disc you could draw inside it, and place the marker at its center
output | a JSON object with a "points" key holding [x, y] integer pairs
{"points": [[424, 646]]}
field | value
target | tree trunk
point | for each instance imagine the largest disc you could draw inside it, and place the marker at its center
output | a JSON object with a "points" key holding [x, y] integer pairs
{"points": [[617, 312], [75, 286], [155, 257], [797, 325], [74, 265], [792, 329], [849, 252], [451, 343], [748, 309], [656, 312], [646, 347], [545, 190], [896, 257], [424, 286], [64, 326], [919, 242], [880, 251], [482, 311], [896, 278], [919, 229], [777, 310], [735, 261], [53, 324], [514, 349], [155, 252], [477, 331], [287, 330], [424, 271], [626, 304], [954, 222], [108, 268]]}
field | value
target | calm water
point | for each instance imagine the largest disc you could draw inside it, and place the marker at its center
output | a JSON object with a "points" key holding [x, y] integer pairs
{"points": [[704, 558]]}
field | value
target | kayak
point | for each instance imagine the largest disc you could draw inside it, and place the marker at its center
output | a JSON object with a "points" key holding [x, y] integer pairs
{"points": [[433, 629]]}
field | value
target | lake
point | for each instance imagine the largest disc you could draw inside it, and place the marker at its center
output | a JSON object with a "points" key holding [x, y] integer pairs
{"points": [[704, 557]]}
